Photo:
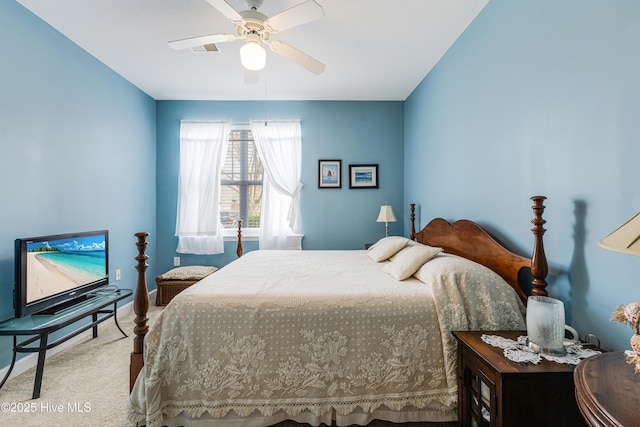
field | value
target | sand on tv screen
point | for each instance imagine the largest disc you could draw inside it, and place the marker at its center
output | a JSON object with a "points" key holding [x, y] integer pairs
{"points": [[54, 266]]}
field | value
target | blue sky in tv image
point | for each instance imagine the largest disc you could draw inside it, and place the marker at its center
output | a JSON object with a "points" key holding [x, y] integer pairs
{"points": [[78, 244]]}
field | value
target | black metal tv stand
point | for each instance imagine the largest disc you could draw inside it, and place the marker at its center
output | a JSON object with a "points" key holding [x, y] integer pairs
{"points": [[38, 327]]}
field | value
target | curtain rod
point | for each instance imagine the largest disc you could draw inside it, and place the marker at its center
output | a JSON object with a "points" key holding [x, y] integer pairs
{"points": [[237, 123], [256, 120]]}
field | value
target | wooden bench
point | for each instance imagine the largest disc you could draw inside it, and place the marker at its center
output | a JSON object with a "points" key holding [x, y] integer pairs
{"points": [[178, 279]]}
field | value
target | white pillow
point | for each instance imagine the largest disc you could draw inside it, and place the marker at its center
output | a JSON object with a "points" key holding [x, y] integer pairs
{"points": [[386, 247], [403, 250], [409, 261]]}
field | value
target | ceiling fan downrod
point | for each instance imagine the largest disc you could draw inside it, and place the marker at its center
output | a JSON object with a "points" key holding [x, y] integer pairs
{"points": [[253, 4]]}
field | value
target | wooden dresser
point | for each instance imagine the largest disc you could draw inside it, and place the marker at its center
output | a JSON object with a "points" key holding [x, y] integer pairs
{"points": [[608, 390]]}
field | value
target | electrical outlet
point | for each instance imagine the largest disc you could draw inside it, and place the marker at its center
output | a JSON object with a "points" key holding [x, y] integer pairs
{"points": [[176, 261], [117, 274]]}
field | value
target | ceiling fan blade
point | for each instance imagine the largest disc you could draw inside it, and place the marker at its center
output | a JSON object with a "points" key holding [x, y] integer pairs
{"points": [[251, 77], [226, 9], [297, 56], [294, 16], [201, 41]]}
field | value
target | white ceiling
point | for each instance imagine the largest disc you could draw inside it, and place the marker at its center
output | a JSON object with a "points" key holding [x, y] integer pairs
{"points": [[372, 49]]}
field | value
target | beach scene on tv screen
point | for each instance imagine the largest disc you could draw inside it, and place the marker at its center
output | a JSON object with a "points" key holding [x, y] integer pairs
{"points": [[58, 265]]}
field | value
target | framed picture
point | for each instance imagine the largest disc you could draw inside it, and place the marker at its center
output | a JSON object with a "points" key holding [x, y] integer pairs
{"points": [[363, 176], [329, 175]]}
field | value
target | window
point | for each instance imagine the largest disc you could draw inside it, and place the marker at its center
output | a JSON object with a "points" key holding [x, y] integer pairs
{"points": [[241, 182]]}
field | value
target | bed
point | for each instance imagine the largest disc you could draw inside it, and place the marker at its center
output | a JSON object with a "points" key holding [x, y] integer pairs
{"points": [[342, 337]]}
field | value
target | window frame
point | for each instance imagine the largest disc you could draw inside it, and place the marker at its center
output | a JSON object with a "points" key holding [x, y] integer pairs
{"points": [[248, 233]]}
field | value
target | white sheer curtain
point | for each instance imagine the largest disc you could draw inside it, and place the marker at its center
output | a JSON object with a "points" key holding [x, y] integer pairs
{"points": [[202, 149], [279, 145]]}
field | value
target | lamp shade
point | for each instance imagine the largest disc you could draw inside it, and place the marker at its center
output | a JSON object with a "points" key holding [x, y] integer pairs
{"points": [[253, 56], [625, 239], [386, 214]]}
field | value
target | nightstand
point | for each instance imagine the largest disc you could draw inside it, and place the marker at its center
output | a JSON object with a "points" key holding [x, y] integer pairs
{"points": [[494, 391]]}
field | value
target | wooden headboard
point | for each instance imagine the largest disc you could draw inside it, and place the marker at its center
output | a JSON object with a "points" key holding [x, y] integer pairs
{"points": [[467, 239]]}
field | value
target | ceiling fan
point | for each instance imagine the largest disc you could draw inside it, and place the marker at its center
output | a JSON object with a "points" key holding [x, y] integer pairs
{"points": [[256, 29]]}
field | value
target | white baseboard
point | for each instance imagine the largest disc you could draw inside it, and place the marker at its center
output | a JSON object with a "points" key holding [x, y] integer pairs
{"points": [[31, 360]]}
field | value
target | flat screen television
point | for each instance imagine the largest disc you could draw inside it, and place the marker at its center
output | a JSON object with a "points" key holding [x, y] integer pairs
{"points": [[55, 272]]}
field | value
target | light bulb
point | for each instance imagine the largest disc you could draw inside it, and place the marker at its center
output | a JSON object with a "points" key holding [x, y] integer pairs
{"points": [[253, 56]]}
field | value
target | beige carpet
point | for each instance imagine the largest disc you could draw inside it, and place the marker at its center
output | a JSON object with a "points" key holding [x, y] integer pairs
{"points": [[84, 385], [88, 384]]}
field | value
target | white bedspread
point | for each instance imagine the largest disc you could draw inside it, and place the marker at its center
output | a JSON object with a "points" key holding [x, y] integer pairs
{"points": [[320, 331]]}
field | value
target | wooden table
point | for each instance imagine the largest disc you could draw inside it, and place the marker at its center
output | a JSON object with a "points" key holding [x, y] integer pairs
{"points": [[497, 392], [608, 390]]}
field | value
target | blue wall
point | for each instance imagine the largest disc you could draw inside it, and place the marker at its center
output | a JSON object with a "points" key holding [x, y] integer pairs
{"points": [[539, 97], [354, 132], [77, 146]]}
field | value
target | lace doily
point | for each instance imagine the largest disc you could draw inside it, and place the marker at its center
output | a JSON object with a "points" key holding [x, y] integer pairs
{"points": [[518, 351]]}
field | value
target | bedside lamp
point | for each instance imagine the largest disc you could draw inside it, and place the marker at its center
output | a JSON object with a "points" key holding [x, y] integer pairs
{"points": [[625, 239], [386, 215]]}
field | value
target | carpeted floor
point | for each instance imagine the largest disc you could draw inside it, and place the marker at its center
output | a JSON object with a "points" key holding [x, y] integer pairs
{"points": [[88, 385], [85, 385]]}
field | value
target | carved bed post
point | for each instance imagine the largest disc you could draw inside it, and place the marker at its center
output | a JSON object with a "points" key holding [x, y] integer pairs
{"points": [[239, 248], [539, 267], [141, 308], [412, 233]]}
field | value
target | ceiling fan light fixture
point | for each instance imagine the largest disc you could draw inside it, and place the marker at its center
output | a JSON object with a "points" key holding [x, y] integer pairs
{"points": [[253, 56]]}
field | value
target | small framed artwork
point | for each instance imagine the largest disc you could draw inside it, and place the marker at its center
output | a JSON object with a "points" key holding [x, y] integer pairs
{"points": [[363, 176], [329, 175]]}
